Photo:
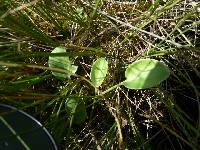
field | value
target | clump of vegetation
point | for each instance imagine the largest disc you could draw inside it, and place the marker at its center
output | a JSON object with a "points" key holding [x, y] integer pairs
{"points": [[104, 74]]}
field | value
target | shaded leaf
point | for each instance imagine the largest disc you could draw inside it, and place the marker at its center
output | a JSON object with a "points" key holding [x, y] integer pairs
{"points": [[61, 62], [99, 71], [145, 73], [76, 107]]}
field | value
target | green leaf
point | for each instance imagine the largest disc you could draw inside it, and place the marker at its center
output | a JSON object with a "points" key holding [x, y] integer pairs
{"points": [[99, 71], [145, 73], [76, 107], [61, 62]]}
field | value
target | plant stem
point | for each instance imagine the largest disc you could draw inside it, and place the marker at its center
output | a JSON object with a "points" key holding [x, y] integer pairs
{"points": [[111, 88], [8, 64]]}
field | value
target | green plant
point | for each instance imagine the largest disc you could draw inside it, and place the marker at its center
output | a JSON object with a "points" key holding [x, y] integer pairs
{"points": [[98, 71], [123, 111], [145, 73], [142, 74], [61, 62], [76, 108]]}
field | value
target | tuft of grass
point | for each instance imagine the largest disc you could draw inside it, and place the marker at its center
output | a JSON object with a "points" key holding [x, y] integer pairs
{"points": [[163, 117]]}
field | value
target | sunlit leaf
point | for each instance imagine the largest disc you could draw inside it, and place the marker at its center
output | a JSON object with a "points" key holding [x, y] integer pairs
{"points": [[61, 62], [99, 71], [145, 73], [76, 107]]}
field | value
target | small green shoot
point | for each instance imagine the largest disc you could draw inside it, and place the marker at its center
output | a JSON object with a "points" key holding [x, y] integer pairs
{"points": [[61, 62], [99, 71], [76, 107]]}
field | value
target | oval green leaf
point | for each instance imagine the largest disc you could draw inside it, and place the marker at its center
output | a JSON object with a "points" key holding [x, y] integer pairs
{"points": [[145, 73], [99, 71], [76, 107], [61, 62]]}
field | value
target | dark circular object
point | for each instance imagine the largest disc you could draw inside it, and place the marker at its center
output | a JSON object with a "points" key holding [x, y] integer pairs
{"points": [[20, 131]]}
